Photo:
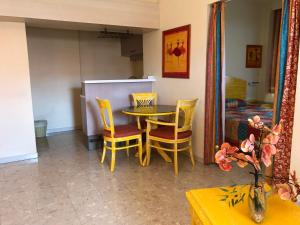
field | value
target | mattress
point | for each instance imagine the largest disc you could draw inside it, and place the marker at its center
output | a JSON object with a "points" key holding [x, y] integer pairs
{"points": [[236, 122]]}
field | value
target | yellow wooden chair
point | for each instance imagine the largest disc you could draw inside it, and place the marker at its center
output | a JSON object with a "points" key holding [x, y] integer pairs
{"points": [[179, 132], [116, 134], [143, 99]]}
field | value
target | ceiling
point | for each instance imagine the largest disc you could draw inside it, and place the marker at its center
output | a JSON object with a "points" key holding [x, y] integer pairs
{"points": [[82, 26]]}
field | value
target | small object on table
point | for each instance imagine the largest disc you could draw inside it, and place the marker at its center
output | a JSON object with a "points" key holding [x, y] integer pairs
{"points": [[207, 208]]}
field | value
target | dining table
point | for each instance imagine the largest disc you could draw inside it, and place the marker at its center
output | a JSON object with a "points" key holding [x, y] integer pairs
{"points": [[208, 207], [152, 111]]}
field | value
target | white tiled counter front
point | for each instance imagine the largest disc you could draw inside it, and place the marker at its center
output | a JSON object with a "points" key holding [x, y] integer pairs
{"points": [[119, 94]]}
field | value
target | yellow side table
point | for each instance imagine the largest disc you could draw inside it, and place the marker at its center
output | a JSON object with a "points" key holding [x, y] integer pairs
{"points": [[207, 209]]}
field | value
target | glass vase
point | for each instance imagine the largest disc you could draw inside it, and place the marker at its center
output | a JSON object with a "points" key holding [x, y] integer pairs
{"points": [[257, 202]]}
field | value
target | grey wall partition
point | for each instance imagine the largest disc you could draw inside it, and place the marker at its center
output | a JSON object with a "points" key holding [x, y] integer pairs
{"points": [[118, 92]]}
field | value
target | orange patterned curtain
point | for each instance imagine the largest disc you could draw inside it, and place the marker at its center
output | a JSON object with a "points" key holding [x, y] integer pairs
{"points": [[215, 74], [286, 87]]}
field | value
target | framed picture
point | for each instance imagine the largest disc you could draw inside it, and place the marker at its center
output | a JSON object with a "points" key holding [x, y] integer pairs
{"points": [[253, 56], [176, 52]]}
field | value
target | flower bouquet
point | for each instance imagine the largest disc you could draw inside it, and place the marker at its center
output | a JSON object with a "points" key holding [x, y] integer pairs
{"points": [[289, 190], [254, 153]]}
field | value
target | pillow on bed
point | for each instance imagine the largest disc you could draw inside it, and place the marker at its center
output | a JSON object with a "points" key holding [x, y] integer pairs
{"points": [[234, 103]]}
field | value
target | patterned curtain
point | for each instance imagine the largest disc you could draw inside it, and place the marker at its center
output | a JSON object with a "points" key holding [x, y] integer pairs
{"points": [[286, 86], [215, 77]]}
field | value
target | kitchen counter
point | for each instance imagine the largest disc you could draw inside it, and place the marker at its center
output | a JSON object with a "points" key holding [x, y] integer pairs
{"points": [[118, 81], [118, 92]]}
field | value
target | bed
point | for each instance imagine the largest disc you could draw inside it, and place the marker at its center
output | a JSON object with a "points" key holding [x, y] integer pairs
{"points": [[238, 111]]}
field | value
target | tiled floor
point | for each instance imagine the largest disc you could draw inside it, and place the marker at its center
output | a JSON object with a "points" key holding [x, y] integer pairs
{"points": [[67, 185]]}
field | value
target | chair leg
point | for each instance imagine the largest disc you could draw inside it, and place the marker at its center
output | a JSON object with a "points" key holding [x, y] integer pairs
{"points": [[148, 152], [113, 156], [191, 152], [137, 152], [104, 151], [175, 159], [127, 150], [140, 150]]}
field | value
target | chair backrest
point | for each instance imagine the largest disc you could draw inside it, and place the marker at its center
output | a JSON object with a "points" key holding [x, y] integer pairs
{"points": [[144, 99], [106, 115], [185, 111]]}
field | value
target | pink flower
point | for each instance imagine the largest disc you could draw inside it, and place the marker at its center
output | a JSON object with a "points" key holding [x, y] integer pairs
{"points": [[253, 160], [248, 144], [222, 157], [256, 122], [277, 129], [284, 191], [271, 139], [225, 166], [222, 160], [228, 148], [269, 149], [267, 152], [241, 160]]}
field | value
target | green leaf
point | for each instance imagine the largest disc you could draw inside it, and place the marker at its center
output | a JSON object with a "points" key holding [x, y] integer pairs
{"points": [[243, 197], [224, 196], [224, 189]]}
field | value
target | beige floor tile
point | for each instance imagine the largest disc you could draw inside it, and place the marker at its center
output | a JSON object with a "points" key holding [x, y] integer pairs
{"points": [[68, 186]]}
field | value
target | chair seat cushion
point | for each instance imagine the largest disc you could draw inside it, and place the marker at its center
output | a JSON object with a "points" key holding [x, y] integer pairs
{"points": [[167, 132], [123, 131]]}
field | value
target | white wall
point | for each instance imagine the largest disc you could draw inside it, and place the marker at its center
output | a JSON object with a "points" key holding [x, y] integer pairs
{"points": [[132, 13], [16, 117], [59, 61], [174, 13], [55, 77], [17, 133], [100, 58], [266, 35], [242, 19], [249, 22]]}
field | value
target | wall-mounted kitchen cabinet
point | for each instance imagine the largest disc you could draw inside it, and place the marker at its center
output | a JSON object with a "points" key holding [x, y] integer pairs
{"points": [[132, 46]]}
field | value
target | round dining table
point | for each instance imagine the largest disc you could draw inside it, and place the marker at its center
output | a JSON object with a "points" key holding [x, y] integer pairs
{"points": [[152, 111], [149, 111]]}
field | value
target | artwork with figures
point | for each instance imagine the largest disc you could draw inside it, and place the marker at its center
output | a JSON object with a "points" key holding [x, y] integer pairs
{"points": [[254, 56], [176, 47]]}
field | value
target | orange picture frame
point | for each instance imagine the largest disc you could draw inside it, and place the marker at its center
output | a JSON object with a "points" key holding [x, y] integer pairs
{"points": [[253, 56], [176, 52]]}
